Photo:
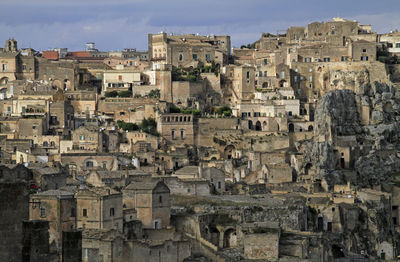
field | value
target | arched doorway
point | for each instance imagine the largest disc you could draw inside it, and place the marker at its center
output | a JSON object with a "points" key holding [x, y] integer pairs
{"points": [[230, 238], [258, 126], [342, 161], [291, 128], [251, 125], [228, 152], [4, 81], [320, 224], [307, 168]]}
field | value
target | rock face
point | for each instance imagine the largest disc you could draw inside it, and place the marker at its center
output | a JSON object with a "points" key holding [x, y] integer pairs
{"points": [[370, 116]]}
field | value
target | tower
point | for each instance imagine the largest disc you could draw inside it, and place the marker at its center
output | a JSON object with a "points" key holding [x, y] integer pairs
{"points": [[11, 45]]}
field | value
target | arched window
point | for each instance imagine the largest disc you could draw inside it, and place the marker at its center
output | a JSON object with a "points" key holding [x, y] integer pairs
{"points": [[52, 143], [180, 57], [45, 143]]}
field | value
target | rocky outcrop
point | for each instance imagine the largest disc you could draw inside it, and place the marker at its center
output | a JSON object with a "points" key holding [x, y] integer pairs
{"points": [[376, 139]]}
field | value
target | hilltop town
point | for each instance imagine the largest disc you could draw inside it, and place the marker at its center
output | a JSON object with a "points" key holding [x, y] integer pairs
{"points": [[285, 149]]}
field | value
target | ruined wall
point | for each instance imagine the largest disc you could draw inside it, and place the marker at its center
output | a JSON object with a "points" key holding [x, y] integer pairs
{"points": [[261, 246], [14, 202]]}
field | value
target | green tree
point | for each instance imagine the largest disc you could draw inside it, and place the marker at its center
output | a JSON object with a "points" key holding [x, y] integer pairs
{"points": [[111, 94]]}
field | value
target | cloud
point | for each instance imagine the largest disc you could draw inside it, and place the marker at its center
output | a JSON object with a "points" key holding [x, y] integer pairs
{"points": [[44, 24]]}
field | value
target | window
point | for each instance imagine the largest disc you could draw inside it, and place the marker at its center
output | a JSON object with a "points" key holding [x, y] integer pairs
{"points": [[364, 58], [248, 74], [327, 59], [307, 59], [173, 134], [45, 144], [81, 137], [42, 212], [85, 253], [180, 57], [282, 75], [24, 67], [84, 212], [219, 184], [104, 165], [4, 68], [344, 58], [208, 57], [9, 109], [364, 50], [265, 61], [160, 199], [52, 144], [182, 134], [112, 212], [91, 138], [397, 45], [194, 57], [89, 164]]}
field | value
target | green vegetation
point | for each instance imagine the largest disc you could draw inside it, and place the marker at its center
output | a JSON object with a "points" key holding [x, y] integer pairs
{"points": [[175, 109], [125, 94], [127, 126], [119, 94], [193, 74], [249, 46], [224, 111], [147, 125], [155, 93]]}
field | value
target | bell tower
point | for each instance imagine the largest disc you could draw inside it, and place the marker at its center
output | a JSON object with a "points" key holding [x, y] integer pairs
{"points": [[11, 45]]}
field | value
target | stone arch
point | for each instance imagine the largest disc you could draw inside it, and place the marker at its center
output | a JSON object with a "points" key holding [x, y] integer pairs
{"points": [[307, 168], [310, 128], [230, 238], [4, 80], [258, 126], [264, 125], [291, 128], [251, 125], [228, 151], [89, 163], [57, 84]]}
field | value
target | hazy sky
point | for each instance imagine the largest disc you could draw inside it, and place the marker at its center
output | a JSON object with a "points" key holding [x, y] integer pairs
{"points": [[118, 24]]}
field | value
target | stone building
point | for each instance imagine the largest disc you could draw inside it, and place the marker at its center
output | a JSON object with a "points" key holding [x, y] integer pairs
{"points": [[151, 200], [87, 139], [99, 208], [183, 50], [58, 207], [177, 128]]}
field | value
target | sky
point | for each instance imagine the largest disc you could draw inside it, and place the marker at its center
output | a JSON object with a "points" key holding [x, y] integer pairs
{"points": [[119, 24]]}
